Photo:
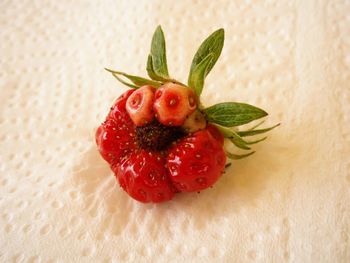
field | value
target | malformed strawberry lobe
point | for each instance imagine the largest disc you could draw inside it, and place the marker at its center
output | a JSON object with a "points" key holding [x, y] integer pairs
{"points": [[196, 162], [173, 104], [140, 105], [156, 136], [172, 100], [115, 136], [135, 101], [143, 176]]}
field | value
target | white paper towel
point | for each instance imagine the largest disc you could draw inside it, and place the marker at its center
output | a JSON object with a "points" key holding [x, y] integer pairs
{"points": [[287, 203]]}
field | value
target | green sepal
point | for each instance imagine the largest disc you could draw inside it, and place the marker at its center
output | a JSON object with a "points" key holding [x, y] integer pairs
{"points": [[138, 81], [256, 132], [256, 125], [233, 137], [150, 70], [230, 114], [212, 44], [124, 82], [197, 78], [157, 64], [154, 76], [238, 156], [256, 141]]}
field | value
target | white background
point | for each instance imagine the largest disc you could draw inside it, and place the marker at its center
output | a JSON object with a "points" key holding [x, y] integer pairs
{"points": [[289, 202]]}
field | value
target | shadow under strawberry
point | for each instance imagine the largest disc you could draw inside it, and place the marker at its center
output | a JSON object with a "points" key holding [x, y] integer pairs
{"points": [[100, 194]]}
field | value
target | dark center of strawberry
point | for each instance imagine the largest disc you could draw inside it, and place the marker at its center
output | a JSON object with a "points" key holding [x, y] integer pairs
{"points": [[156, 136]]}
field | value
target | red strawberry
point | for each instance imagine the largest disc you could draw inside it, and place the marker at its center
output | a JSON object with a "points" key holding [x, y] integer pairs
{"points": [[144, 177], [196, 162], [216, 134], [114, 141], [118, 111], [173, 103], [115, 137], [140, 105], [163, 141], [134, 153]]}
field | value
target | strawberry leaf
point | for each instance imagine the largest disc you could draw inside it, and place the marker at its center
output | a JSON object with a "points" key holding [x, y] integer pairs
{"points": [[150, 70], [256, 141], [154, 76], [256, 125], [238, 156], [124, 82], [255, 132], [233, 137], [232, 114], [138, 81], [196, 79], [157, 67], [238, 141], [212, 44]]}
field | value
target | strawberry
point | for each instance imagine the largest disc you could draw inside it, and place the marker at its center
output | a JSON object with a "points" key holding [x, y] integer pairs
{"points": [[141, 172], [173, 103], [144, 177], [217, 135], [115, 137], [113, 141], [140, 105], [196, 162], [158, 137], [118, 111]]}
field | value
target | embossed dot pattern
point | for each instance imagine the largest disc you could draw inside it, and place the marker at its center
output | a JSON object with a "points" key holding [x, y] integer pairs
{"points": [[59, 201]]}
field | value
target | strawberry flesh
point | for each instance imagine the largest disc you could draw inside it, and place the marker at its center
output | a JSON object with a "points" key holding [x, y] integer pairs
{"points": [[114, 141], [196, 162], [115, 137], [173, 103], [144, 177], [140, 105]]}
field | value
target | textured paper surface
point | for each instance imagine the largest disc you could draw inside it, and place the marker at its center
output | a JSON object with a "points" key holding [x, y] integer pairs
{"points": [[287, 203]]}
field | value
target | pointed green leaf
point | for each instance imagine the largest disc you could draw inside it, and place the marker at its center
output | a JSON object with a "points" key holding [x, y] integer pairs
{"points": [[256, 141], [256, 125], [255, 132], [233, 137], [124, 82], [150, 70], [238, 141], [196, 79], [138, 81], [158, 54], [232, 114], [212, 44], [238, 156], [154, 76]]}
